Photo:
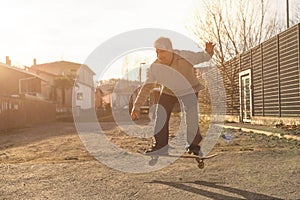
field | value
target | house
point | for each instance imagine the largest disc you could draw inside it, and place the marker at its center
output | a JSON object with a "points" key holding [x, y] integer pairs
{"points": [[16, 81], [64, 78], [266, 87], [21, 101]]}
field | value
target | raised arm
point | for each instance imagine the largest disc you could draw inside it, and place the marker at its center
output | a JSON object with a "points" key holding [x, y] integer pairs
{"points": [[198, 57]]}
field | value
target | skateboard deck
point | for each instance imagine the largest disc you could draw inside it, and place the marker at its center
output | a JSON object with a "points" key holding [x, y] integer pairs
{"points": [[200, 160]]}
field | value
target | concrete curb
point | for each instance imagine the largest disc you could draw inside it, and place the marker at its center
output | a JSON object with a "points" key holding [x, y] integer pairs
{"points": [[268, 133]]}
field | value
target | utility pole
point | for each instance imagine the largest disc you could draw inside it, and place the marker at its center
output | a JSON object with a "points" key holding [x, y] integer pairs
{"points": [[287, 14], [140, 72]]}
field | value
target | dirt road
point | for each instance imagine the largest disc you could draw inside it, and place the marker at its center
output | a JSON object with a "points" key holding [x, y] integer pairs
{"points": [[50, 162]]}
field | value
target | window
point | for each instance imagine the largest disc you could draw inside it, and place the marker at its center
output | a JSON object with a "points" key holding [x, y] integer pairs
{"points": [[79, 96], [16, 107]]}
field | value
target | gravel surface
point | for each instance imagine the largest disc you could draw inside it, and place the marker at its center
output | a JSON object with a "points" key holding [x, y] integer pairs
{"points": [[50, 162]]}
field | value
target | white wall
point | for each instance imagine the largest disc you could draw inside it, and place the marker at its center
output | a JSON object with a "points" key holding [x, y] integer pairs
{"points": [[86, 102]]}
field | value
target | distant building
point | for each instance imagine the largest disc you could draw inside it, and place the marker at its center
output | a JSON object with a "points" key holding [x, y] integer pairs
{"points": [[63, 78], [16, 81], [21, 99]]}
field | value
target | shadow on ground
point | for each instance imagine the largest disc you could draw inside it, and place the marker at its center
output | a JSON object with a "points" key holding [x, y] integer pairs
{"points": [[215, 195]]}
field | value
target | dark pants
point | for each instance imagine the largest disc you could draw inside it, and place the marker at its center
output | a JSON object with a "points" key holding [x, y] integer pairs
{"points": [[163, 113]]}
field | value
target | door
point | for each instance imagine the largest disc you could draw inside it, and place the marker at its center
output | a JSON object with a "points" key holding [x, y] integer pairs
{"points": [[245, 96]]}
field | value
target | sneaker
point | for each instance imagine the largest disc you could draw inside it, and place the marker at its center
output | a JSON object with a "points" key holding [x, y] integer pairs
{"points": [[195, 150], [158, 150]]}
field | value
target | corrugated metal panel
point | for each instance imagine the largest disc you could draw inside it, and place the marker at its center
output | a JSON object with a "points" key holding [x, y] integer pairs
{"points": [[257, 84], [289, 72], [236, 93], [275, 68], [270, 78], [245, 60], [232, 87]]}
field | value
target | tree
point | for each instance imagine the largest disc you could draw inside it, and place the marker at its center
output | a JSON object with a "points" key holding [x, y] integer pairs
{"points": [[295, 18], [234, 26]]}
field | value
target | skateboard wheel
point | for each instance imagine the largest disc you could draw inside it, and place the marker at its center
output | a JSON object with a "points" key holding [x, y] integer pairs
{"points": [[201, 165], [153, 162]]}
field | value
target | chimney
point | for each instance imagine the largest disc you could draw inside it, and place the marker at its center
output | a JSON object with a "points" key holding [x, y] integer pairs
{"points": [[7, 60], [34, 61]]}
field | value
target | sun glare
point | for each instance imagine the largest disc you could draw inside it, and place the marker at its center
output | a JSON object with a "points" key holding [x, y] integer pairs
{"points": [[128, 66]]}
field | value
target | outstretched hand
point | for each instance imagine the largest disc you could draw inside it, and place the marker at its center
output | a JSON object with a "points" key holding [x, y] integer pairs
{"points": [[209, 48], [135, 115]]}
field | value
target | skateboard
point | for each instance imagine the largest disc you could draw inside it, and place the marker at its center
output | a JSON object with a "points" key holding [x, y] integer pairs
{"points": [[200, 160]]}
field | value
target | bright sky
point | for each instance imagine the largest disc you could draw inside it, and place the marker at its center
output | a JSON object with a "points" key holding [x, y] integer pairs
{"points": [[54, 30]]}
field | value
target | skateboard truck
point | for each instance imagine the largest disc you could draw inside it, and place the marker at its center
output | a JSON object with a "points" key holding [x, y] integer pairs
{"points": [[200, 162]]}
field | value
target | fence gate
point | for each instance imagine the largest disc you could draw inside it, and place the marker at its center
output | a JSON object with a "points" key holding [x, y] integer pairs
{"points": [[245, 96]]}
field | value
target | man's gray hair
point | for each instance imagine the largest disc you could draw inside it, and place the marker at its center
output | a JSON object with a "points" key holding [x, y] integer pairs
{"points": [[163, 43]]}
